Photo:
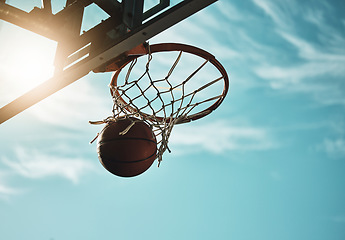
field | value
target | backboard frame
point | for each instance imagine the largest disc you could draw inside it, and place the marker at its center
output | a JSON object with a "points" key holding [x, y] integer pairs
{"points": [[93, 44]]}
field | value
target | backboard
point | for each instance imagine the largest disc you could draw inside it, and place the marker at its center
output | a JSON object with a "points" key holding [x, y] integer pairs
{"points": [[130, 23]]}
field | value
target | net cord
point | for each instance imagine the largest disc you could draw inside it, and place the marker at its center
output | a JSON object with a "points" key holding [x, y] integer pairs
{"points": [[161, 126]]}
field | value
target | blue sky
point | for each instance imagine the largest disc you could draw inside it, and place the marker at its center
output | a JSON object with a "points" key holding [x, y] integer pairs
{"points": [[268, 164]]}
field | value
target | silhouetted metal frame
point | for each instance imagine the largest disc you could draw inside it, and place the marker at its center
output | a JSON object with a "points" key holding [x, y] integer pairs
{"points": [[117, 47]]}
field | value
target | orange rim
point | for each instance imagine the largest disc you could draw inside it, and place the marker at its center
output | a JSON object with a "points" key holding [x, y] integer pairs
{"points": [[167, 47]]}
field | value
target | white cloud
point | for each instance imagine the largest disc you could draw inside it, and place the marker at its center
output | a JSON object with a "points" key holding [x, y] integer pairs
{"points": [[314, 16], [308, 51], [321, 61], [323, 66], [280, 77], [75, 104], [322, 57], [221, 136], [36, 164], [5, 190], [334, 147], [327, 34], [279, 11], [229, 11]]}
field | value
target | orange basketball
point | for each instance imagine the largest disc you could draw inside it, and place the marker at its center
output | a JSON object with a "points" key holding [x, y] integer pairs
{"points": [[130, 154]]}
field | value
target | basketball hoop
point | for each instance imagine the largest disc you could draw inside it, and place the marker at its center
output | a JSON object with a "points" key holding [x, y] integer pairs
{"points": [[164, 94]]}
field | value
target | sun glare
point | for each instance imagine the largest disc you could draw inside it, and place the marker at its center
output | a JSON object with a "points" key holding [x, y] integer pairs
{"points": [[29, 60]]}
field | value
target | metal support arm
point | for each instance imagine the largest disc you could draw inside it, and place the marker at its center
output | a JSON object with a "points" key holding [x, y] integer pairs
{"points": [[104, 53]]}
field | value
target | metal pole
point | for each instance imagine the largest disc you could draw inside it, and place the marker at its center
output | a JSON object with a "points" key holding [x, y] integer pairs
{"points": [[25, 20], [47, 6]]}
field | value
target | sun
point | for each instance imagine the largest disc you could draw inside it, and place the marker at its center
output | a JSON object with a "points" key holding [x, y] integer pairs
{"points": [[27, 59]]}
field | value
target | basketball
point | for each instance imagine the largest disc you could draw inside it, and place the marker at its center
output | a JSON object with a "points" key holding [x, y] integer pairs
{"points": [[130, 154]]}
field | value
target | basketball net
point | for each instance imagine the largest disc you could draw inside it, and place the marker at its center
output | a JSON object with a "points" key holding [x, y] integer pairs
{"points": [[160, 107]]}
